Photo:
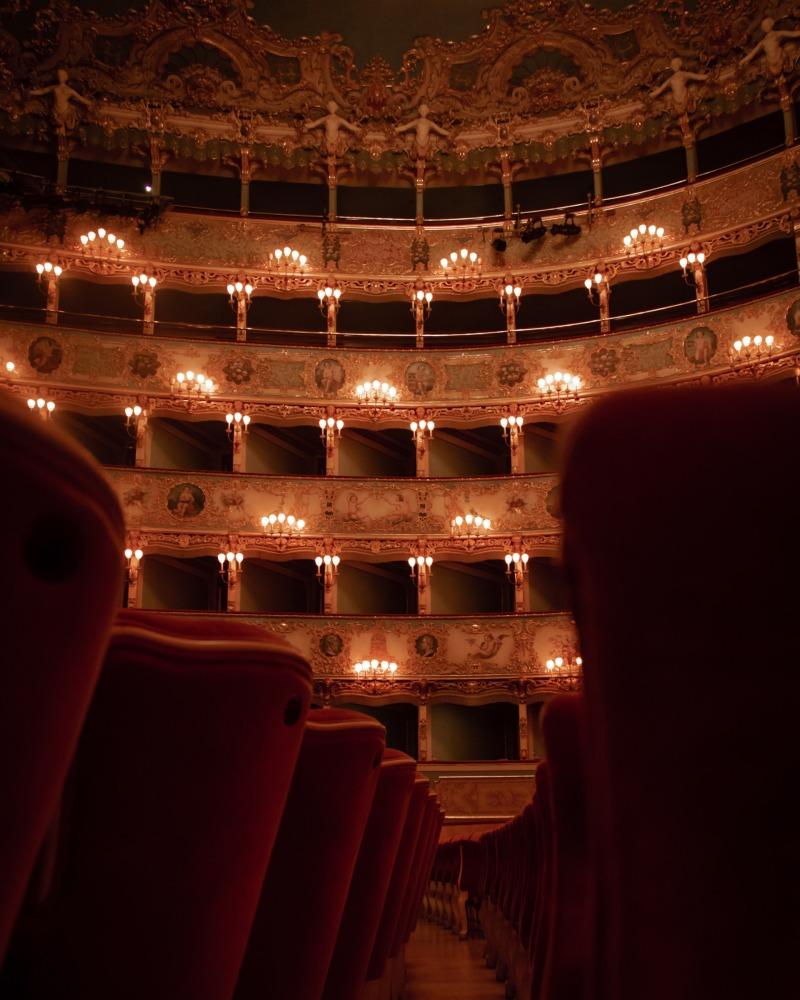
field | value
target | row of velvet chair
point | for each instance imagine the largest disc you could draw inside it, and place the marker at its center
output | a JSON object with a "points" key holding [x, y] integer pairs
{"points": [[526, 881], [660, 855], [176, 820]]}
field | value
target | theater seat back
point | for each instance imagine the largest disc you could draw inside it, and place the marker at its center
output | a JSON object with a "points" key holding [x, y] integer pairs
{"points": [[682, 550], [306, 886], [61, 583]]}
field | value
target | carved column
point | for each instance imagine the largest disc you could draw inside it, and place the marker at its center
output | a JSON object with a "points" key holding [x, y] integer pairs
{"points": [[524, 743], [332, 185], [796, 232], [787, 107], [234, 592], [518, 453], [604, 293], [508, 193], [423, 456], [149, 318], [597, 169], [157, 160], [244, 182], [701, 287], [419, 186], [239, 463], [144, 441], [330, 317], [690, 146], [422, 732], [242, 304], [51, 309], [63, 159], [331, 596]]}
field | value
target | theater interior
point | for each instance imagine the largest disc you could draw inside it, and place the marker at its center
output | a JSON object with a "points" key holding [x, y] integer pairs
{"points": [[398, 461]]}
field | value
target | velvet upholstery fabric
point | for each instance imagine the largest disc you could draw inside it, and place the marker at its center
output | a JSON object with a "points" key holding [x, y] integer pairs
{"points": [[61, 582], [571, 902], [682, 551], [175, 798], [306, 886], [400, 877], [371, 877], [421, 871]]}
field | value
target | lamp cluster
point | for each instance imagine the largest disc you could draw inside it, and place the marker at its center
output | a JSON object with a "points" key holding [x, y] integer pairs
{"points": [[375, 668], [327, 569], [230, 563], [143, 281], [569, 664], [644, 238], [691, 259], [192, 384], [237, 288], [752, 348], [50, 269], [561, 385], [376, 392], [463, 260], [469, 526], [44, 407], [282, 523], [102, 240], [329, 294], [289, 258], [237, 419]]}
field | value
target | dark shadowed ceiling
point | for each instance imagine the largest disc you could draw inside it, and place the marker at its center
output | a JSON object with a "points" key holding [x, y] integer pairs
{"points": [[370, 27]]}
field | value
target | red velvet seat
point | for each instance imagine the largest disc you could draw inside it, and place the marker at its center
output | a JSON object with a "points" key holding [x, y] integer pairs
{"points": [[175, 798], [421, 869], [371, 877], [400, 876], [540, 925], [62, 580], [305, 890], [683, 553], [566, 970]]}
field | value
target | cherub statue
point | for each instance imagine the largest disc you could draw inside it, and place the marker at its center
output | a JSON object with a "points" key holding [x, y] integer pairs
{"points": [[423, 127], [64, 114], [770, 45], [678, 83], [333, 122]]}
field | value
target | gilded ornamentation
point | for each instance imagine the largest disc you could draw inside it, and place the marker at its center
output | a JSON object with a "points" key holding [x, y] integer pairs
{"points": [[45, 355], [144, 364], [238, 370], [793, 318], [511, 373], [420, 378], [185, 501], [700, 345], [329, 376], [604, 362]]}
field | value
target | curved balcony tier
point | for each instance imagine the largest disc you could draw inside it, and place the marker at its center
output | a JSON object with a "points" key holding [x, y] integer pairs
{"points": [[473, 656], [721, 214], [371, 517], [104, 372]]}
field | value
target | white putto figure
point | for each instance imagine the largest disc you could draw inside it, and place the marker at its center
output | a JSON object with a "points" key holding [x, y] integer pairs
{"points": [[333, 123], [770, 45], [422, 127], [679, 84], [64, 113]]}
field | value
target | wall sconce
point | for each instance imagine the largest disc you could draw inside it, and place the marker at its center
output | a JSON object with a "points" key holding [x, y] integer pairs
{"points": [[236, 424], [421, 430], [689, 265], [7, 369], [44, 407], [560, 387], [142, 283], [191, 385], [282, 524], [132, 414], [512, 429], [517, 567], [752, 348], [230, 566], [132, 559], [239, 291], [594, 285], [102, 241], [329, 295], [329, 430], [421, 298], [48, 271], [327, 569], [376, 392], [421, 570], [469, 526]]}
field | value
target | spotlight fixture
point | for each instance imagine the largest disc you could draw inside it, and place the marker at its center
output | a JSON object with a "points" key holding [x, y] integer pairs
{"points": [[534, 230], [499, 243], [569, 227]]}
